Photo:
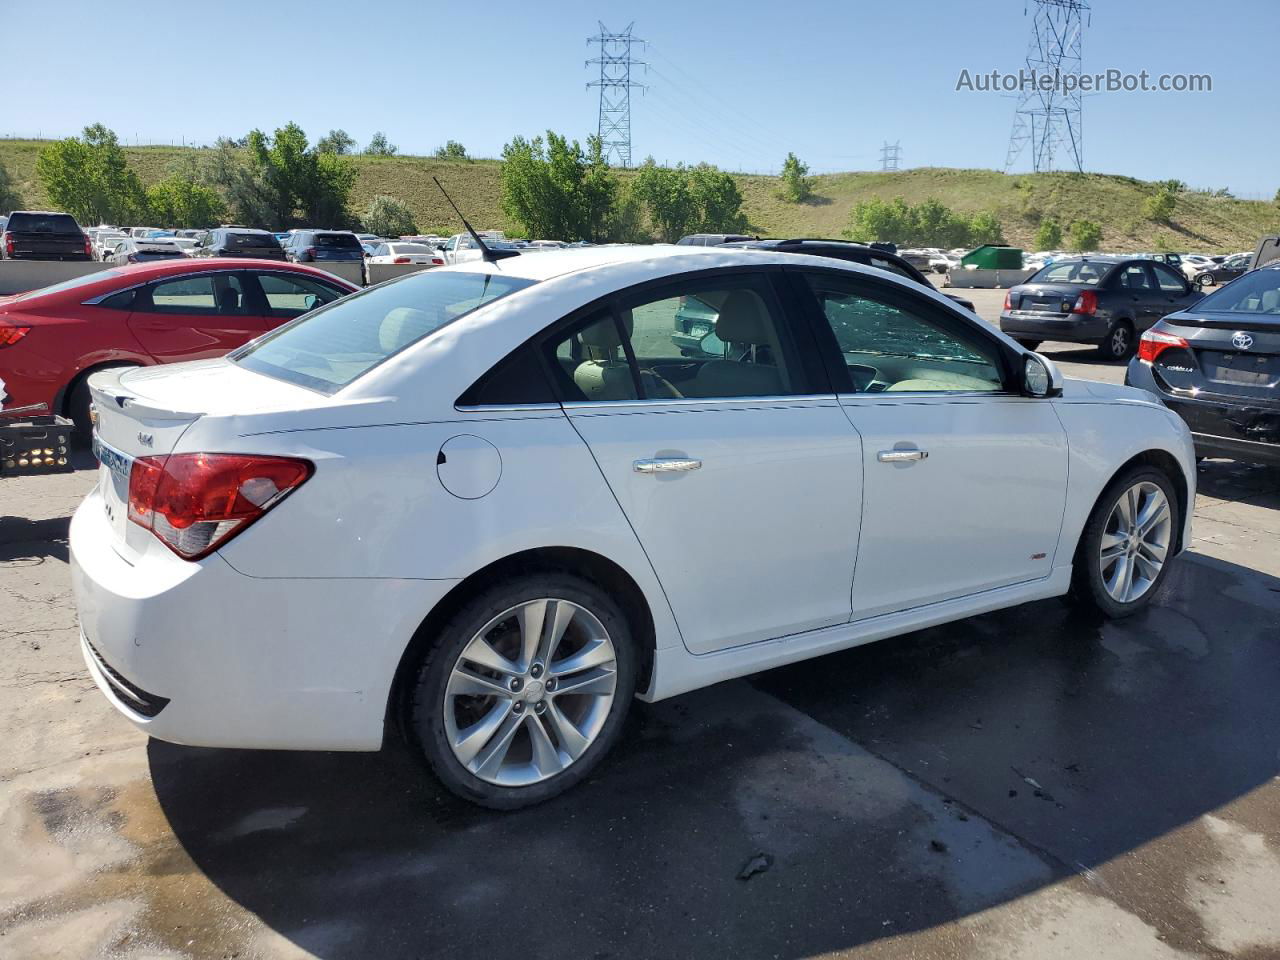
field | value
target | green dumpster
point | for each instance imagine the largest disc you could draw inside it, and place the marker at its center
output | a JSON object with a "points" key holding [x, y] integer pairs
{"points": [[993, 256]]}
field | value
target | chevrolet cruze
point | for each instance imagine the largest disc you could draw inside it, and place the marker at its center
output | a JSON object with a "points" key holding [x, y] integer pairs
{"points": [[489, 505]]}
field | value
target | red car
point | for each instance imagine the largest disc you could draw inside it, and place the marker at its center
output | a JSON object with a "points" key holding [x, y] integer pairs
{"points": [[162, 312]]}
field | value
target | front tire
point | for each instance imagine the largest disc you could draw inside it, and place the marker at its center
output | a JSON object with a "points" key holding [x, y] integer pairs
{"points": [[524, 691], [1119, 343], [1127, 544]]}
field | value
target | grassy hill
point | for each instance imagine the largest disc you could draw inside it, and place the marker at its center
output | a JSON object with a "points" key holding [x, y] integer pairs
{"points": [[1201, 221]]}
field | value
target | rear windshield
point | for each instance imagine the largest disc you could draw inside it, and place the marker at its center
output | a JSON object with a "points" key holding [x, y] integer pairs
{"points": [[343, 241], [1257, 293], [409, 248], [1073, 271], [328, 349], [251, 240], [43, 223]]}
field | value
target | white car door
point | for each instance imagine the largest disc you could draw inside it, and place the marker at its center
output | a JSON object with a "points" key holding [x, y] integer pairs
{"points": [[965, 481], [733, 461]]}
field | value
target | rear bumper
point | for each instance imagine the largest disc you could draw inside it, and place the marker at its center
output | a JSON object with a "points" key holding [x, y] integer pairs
{"points": [[1069, 328], [199, 654], [1220, 427]]}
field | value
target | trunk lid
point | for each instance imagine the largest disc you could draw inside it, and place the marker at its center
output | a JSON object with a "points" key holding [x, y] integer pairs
{"points": [[1046, 297], [1232, 355]]}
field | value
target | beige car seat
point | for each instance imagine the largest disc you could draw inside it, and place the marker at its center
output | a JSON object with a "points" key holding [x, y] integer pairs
{"points": [[745, 327]]}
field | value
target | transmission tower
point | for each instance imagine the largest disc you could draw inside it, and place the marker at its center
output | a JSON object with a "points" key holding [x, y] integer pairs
{"points": [[615, 83], [1049, 118], [890, 154]]}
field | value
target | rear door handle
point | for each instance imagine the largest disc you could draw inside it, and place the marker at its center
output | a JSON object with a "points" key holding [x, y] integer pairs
{"points": [[667, 465], [901, 456]]}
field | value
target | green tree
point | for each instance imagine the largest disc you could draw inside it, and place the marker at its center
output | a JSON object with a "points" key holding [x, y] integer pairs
{"points": [[179, 200], [796, 185], [336, 141], [717, 200], [557, 190], [664, 191], [878, 220], [1159, 206], [1049, 234], [380, 146], [9, 199], [452, 150], [89, 177], [625, 223], [984, 227], [1085, 235], [388, 217], [278, 180]]}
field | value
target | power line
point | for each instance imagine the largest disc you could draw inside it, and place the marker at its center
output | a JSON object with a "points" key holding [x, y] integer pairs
{"points": [[1050, 118], [615, 83]]}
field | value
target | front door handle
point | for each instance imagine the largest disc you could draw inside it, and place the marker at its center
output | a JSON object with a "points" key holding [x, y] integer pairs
{"points": [[901, 456], [667, 465]]}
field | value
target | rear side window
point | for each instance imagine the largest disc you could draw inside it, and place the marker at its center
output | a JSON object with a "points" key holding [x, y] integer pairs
{"points": [[43, 223], [327, 350]]}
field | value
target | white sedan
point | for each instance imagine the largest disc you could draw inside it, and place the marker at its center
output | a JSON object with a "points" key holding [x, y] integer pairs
{"points": [[489, 504], [392, 251]]}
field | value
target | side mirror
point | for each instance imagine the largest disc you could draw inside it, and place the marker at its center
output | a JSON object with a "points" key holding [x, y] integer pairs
{"points": [[1040, 377]]}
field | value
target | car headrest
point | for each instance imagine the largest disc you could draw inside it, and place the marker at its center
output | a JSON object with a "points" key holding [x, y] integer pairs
{"points": [[743, 320], [603, 335]]}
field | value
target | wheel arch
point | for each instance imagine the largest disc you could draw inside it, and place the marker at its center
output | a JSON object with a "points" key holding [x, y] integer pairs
{"points": [[1167, 462], [586, 564]]}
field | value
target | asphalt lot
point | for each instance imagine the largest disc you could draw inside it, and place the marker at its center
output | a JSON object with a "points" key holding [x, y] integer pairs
{"points": [[1029, 783]]}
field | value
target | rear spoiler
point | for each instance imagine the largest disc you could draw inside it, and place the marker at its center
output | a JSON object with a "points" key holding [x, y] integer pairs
{"points": [[106, 388]]}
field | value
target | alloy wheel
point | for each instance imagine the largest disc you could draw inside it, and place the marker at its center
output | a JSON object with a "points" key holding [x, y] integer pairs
{"points": [[530, 692], [1120, 341], [1135, 542]]}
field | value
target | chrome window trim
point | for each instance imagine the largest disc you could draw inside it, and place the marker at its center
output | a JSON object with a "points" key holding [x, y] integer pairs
{"points": [[677, 403]]}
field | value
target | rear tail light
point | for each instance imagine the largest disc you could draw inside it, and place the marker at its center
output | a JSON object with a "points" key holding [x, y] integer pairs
{"points": [[1008, 300], [10, 334], [437, 262], [88, 248], [310, 252], [8, 243], [131, 258], [1086, 303], [1153, 343], [196, 502], [401, 260]]}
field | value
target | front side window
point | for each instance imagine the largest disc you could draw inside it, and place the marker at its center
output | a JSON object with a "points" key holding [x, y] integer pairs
{"points": [[290, 296], [890, 347], [327, 350], [1169, 281], [703, 340], [212, 294]]}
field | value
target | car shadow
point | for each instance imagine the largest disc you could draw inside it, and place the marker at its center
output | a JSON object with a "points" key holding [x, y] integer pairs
{"points": [[866, 784], [33, 540]]}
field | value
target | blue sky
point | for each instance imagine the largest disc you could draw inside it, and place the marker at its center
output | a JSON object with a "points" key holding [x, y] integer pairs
{"points": [[736, 84]]}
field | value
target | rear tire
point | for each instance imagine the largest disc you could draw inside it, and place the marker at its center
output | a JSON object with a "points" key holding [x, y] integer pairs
{"points": [[492, 705], [1028, 344], [1127, 544], [1119, 343]]}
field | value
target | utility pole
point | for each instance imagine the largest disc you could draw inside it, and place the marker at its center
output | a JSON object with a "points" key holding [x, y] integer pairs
{"points": [[615, 83], [1050, 119], [890, 154]]}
